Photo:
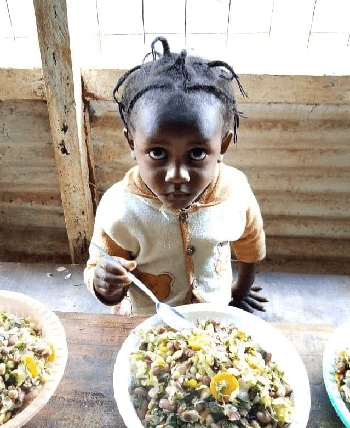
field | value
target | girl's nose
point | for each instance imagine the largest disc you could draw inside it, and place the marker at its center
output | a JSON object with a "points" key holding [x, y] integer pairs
{"points": [[177, 174]]}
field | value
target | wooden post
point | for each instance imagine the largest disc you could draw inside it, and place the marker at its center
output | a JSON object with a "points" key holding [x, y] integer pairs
{"points": [[54, 41]]}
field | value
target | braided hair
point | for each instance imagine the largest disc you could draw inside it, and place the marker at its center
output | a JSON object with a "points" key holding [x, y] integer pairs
{"points": [[178, 72]]}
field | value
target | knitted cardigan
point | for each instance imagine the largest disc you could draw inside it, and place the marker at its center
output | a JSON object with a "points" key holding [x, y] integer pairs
{"points": [[183, 256]]}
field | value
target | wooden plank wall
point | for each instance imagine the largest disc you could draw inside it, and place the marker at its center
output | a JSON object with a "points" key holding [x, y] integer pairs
{"points": [[294, 146], [32, 226]]}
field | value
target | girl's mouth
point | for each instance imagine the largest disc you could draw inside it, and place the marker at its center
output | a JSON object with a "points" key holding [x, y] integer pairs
{"points": [[177, 195], [178, 200]]}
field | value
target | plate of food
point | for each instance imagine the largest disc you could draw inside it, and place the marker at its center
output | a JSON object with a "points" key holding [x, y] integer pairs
{"points": [[33, 356], [232, 370], [336, 371]]}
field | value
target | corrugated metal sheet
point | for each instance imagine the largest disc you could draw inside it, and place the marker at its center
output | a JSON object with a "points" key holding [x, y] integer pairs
{"points": [[31, 215]]}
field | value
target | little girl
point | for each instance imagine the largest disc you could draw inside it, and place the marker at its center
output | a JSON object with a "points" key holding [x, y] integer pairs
{"points": [[179, 217]]}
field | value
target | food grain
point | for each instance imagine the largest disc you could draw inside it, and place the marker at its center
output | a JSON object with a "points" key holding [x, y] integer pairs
{"points": [[213, 376], [25, 361]]}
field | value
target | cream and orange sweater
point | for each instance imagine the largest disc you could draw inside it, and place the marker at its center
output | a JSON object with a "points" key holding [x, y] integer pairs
{"points": [[182, 256]]}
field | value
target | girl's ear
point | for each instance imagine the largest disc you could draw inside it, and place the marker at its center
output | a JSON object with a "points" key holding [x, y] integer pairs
{"points": [[130, 141], [226, 141], [128, 138]]}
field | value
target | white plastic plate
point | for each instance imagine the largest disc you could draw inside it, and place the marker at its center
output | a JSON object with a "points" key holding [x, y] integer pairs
{"points": [[262, 333], [340, 340], [53, 331]]}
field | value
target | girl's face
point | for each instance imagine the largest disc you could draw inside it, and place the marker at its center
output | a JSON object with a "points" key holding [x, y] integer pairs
{"points": [[177, 147]]}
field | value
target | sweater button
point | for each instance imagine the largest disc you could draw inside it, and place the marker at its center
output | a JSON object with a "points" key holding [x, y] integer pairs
{"points": [[190, 250]]}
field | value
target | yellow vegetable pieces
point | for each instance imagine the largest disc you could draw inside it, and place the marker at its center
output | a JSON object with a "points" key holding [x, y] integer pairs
{"points": [[160, 362], [192, 383], [222, 385], [241, 335], [52, 355], [198, 343], [31, 365], [252, 362]]}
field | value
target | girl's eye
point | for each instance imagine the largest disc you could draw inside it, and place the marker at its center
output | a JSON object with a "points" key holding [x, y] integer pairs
{"points": [[197, 154], [157, 154]]}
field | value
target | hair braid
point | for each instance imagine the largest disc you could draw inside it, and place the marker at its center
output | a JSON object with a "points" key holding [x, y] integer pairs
{"points": [[233, 74], [143, 91], [179, 72], [166, 47], [122, 80]]}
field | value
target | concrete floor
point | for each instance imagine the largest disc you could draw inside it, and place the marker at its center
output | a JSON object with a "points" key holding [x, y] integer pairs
{"points": [[293, 297]]}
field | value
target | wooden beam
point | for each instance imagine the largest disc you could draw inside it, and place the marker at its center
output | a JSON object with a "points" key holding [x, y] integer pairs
{"points": [[91, 172], [98, 85], [54, 42], [17, 84]]}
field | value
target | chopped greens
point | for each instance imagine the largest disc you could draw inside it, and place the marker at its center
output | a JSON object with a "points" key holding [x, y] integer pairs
{"points": [[213, 376], [342, 375], [25, 360]]}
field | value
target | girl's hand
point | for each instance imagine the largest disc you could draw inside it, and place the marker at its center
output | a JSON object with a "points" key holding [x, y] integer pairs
{"points": [[248, 300], [111, 281]]}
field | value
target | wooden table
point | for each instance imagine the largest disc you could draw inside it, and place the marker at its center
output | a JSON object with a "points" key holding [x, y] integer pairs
{"points": [[85, 398]]}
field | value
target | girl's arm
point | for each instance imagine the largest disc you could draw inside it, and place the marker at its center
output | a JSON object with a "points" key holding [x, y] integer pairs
{"points": [[110, 281], [107, 280], [244, 294]]}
